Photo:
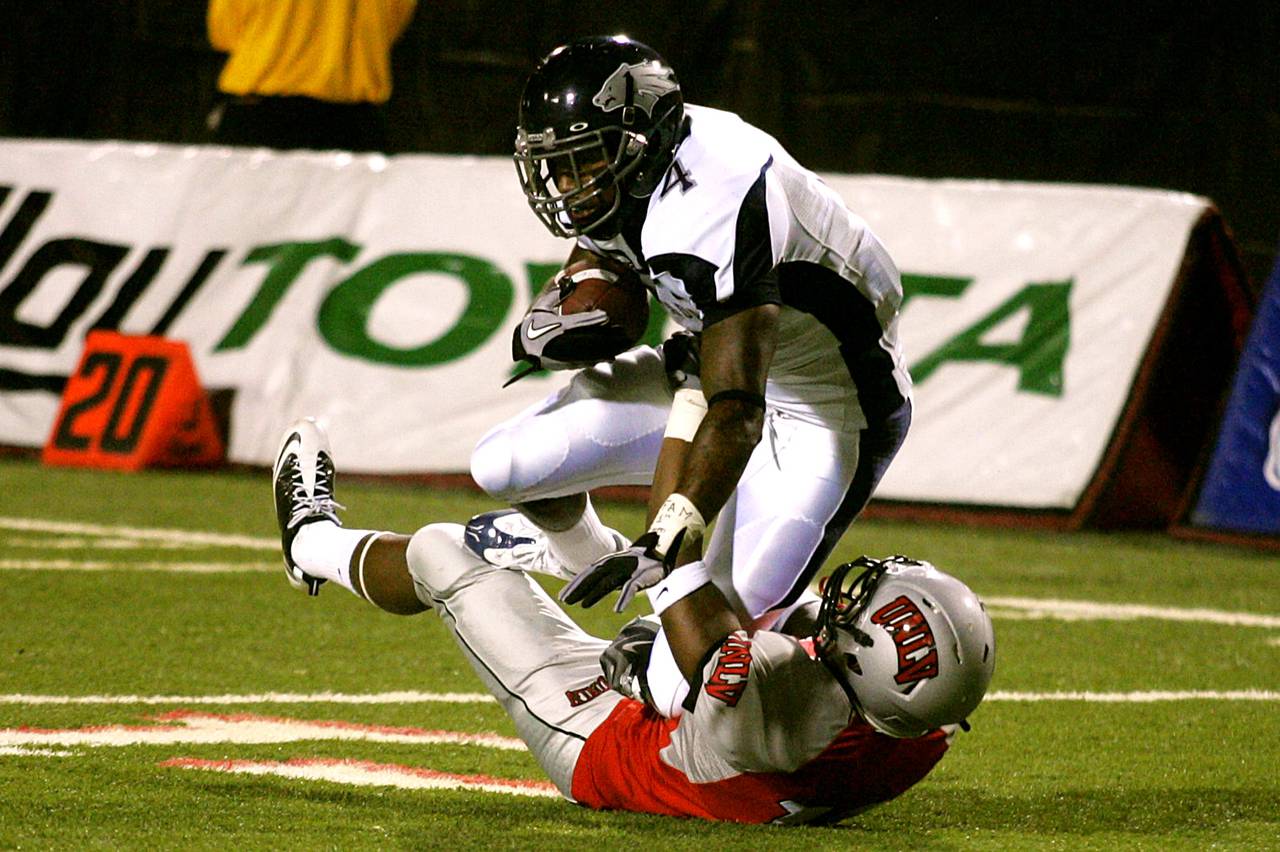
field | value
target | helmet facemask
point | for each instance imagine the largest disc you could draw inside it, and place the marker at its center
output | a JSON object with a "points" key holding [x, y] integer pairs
{"points": [[603, 115], [594, 165], [844, 596]]}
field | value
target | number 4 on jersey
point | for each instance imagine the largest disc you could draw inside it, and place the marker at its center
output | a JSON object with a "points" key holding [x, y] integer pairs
{"points": [[677, 176]]}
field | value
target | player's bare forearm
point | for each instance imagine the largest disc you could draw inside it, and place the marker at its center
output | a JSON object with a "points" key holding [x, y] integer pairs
{"points": [[665, 474], [696, 622], [736, 354], [719, 453]]}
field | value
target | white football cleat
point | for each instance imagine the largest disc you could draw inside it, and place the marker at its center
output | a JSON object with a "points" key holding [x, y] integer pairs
{"points": [[303, 477], [507, 539]]}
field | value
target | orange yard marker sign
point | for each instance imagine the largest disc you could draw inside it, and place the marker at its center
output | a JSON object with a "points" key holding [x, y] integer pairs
{"points": [[134, 402]]}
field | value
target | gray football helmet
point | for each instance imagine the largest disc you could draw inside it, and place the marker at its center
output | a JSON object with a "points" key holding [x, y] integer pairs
{"points": [[913, 646]]}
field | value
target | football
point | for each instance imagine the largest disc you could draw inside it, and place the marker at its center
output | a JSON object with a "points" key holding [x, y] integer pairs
{"points": [[598, 283]]}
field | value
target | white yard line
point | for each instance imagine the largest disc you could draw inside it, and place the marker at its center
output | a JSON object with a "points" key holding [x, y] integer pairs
{"points": [[166, 567], [167, 536], [1093, 610], [1138, 697], [190, 727], [365, 774], [262, 698], [118, 537]]}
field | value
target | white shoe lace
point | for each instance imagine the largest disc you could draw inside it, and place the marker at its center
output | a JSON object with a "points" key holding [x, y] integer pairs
{"points": [[308, 505]]}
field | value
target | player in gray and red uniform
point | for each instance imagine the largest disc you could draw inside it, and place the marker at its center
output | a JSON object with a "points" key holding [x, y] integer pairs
{"points": [[795, 302], [779, 729]]}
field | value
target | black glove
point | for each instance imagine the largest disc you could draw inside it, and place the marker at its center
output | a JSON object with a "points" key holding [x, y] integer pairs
{"points": [[625, 662], [632, 570], [682, 357]]}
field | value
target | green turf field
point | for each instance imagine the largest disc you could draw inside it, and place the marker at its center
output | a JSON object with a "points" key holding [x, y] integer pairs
{"points": [[138, 668]]}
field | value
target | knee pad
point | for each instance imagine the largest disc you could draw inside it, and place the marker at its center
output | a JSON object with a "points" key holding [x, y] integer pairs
{"points": [[491, 464], [438, 560], [518, 462]]}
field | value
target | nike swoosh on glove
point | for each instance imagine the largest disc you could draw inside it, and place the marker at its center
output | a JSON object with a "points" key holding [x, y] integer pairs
{"points": [[632, 570]]}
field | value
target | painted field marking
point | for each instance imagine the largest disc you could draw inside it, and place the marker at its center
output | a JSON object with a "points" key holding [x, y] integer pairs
{"points": [[262, 698], [34, 752], [167, 567], [1038, 608], [1139, 697], [163, 536], [1136, 697], [48, 543], [365, 773], [188, 726]]}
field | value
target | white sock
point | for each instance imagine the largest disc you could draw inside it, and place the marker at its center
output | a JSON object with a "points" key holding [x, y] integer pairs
{"points": [[324, 550], [584, 542]]}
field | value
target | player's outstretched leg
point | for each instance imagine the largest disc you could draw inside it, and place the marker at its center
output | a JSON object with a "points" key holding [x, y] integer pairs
{"points": [[316, 547]]}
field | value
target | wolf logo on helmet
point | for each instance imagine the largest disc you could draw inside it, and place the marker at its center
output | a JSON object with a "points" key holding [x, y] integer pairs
{"points": [[640, 84]]}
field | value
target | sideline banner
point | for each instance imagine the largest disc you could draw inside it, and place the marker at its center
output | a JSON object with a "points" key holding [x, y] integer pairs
{"points": [[379, 293], [1241, 489]]}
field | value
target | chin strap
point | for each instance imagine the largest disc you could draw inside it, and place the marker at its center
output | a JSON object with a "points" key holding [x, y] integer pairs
{"points": [[843, 680]]}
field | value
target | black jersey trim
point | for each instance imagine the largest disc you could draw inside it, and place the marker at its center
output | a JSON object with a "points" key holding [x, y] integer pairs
{"points": [[698, 275], [471, 652], [836, 303], [754, 281]]}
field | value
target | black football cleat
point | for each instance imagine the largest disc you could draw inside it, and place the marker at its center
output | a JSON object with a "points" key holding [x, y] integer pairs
{"points": [[303, 477]]}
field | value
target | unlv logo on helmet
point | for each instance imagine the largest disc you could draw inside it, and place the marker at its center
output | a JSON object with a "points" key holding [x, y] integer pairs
{"points": [[912, 636], [647, 82]]}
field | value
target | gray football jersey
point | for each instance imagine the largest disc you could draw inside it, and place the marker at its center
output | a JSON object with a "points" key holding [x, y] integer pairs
{"points": [[764, 705]]}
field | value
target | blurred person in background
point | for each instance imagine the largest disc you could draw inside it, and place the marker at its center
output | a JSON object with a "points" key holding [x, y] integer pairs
{"points": [[305, 73]]}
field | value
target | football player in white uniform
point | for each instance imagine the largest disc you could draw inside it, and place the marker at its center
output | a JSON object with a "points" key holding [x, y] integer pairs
{"points": [[783, 729], [795, 302]]}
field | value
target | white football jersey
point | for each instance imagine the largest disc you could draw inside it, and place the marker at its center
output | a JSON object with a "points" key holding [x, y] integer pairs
{"points": [[736, 222]]}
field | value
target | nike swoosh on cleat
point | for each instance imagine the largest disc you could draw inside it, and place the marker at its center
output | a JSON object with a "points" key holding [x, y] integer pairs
{"points": [[535, 333], [288, 442]]}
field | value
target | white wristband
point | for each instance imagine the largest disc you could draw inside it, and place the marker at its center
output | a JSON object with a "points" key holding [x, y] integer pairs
{"points": [[687, 411], [676, 514], [678, 585]]}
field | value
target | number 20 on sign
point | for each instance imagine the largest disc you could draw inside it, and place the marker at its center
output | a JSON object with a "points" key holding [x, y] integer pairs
{"points": [[134, 402]]}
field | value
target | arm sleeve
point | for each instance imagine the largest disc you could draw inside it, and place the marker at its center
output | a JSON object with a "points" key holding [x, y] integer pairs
{"points": [[765, 705]]}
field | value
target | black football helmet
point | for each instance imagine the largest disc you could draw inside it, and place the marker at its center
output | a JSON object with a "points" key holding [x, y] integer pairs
{"points": [[600, 119]]}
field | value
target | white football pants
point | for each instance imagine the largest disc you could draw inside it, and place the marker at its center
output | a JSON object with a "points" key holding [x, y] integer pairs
{"points": [[541, 666]]}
